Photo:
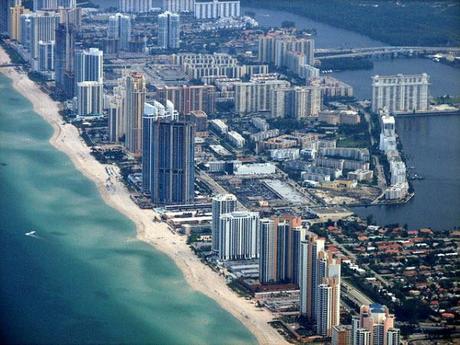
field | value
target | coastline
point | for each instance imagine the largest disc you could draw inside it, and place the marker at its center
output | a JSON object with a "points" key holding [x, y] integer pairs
{"points": [[199, 277]]}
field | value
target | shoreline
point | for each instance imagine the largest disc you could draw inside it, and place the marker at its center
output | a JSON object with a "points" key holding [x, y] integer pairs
{"points": [[199, 277]]}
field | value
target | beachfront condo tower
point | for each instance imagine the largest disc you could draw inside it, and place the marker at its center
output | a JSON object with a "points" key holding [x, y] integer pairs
{"points": [[239, 235], [171, 160], [134, 110], [223, 203]]}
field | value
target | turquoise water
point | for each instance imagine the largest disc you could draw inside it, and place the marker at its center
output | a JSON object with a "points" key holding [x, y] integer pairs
{"points": [[85, 278]]}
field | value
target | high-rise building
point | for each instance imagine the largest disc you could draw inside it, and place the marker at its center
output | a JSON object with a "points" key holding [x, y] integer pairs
{"points": [[328, 306], [44, 5], [210, 66], [323, 305], [172, 157], [255, 95], [341, 335], [215, 9], [400, 93], [46, 58], [169, 30], [268, 252], [308, 281], [89, 65], [178, 5], [188, 98], [289, 236], [239, 235], [280, 247], [64, 58], [135, 6], [114, 109], [119, 29], [14, 22], [221, 204], [152, 112], [71, 16], [374, 326], [43, 28], [26, 30], [275, 47], [5, 17], [116, 112], [393, 336], [53, 4], [296, 102], [90, 98], [362, 337], [134, 110]]}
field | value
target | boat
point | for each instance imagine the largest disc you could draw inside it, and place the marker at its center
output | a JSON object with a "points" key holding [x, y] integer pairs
{"points": [[32, 233]]}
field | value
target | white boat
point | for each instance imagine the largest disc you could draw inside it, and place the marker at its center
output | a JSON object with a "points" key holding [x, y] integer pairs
{"points": [[31, 233]]}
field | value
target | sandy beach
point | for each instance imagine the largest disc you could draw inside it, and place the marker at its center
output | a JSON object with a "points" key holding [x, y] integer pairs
{"points": [[200, 277]]}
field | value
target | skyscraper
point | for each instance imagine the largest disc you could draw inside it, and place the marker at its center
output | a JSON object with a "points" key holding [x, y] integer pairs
{"points": [[89, 65], [341, 335], [400, 93], [328, 277], [268, 252], [362, 337], [5, 6], [119, 28], [188, 98], [256, 94], [64, 58], [90, 96], [223, 203], [280, 244], [375, 325], [44, 5], [328, 306], [172, 156], [296, 102], [46, 57], [239, 235], [26, 30], [43, 28], [169, 30], [308, 274], [134, 110], [153, 111], [275, 47], [14, 22]]}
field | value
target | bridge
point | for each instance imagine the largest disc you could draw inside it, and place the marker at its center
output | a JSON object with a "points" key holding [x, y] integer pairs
{"points": [[337, 53]]}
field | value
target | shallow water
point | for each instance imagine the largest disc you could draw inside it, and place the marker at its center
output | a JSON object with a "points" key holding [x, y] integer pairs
{"points": [[84, 277]]}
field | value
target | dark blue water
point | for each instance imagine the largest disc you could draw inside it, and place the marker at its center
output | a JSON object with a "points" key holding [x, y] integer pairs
{"points": [[432, 145], [327, 36], [445, 80]]}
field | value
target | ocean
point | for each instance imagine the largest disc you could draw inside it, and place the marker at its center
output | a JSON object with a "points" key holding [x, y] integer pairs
{"points": [[83, 277]]}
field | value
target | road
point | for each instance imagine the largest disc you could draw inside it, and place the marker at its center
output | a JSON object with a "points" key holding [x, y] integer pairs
{"points": [[354, 257], [355, 295]]}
